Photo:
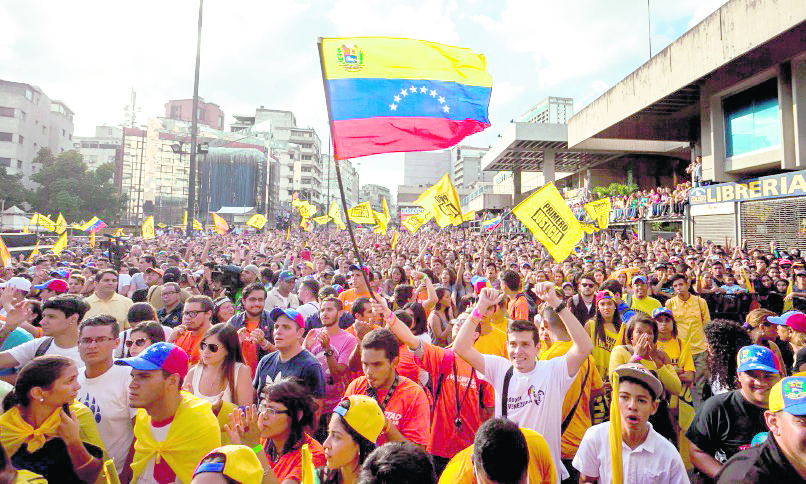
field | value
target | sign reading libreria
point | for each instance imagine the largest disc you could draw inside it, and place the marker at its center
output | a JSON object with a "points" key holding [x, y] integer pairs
{"points": [[792, 184]]}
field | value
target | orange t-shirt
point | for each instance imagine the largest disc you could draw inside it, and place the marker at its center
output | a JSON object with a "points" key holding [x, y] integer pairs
{"points": [[445, 440], [407, 409], [406, 366], [190, 343], [249, 349], [289, 466], [518, 309], [349, 296]]}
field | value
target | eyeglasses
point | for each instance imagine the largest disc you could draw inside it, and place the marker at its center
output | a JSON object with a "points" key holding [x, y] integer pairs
{"points": [[99, 340], [800, 274], [166, 293], [586, 284], [193, 314], [210, 346], [136, 342], [267, 410]]}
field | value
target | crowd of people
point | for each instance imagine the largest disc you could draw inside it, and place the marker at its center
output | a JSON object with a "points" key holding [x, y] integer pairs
{"points": [[450, 357]]}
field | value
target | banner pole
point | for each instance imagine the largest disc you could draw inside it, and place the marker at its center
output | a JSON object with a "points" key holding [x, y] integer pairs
{"points": [[338, 174]]}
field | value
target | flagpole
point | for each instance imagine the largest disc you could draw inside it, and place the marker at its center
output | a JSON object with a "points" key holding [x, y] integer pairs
{"points": [[500, 222], [338, 172]]}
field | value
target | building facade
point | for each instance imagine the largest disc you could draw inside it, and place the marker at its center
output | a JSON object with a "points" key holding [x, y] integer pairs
{"points": [[29, 121], [424, 168], [349, 178], [102, 148], [466, 166], [375, 194], [209, 114], [554, 110]]}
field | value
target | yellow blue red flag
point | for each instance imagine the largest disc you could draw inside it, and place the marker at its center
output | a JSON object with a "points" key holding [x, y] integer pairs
{"points": [[394, 95]]}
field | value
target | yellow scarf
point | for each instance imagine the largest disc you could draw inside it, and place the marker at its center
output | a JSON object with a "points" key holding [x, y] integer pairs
{"points": [[194, 432], [15, 431], [615, 434]]}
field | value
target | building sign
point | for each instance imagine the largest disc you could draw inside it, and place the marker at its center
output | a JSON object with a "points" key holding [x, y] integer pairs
{"points": [[792, 184], [406, 212]]}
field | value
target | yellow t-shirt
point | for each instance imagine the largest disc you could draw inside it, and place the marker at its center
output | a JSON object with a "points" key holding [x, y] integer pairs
{"points": [[666, 374], [645, 305], [601, 349], [28, 477], [691, 316], [493, 343], [541, 469]]}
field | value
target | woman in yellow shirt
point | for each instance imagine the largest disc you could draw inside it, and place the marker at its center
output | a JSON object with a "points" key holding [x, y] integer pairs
{"points": [[604, 330]]}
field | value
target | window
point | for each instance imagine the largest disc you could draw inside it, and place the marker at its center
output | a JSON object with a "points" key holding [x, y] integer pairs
{"points": [[19, 163], [20, 138], [6, 136], [64, 132], [5, 162], [6, 112], [29, 95], [44, 130], [23, 116], [176, 112], [70, 137], [751, 119]]}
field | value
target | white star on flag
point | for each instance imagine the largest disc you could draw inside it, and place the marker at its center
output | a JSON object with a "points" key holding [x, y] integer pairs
{"points": [[413, 89], [397, 99], [433, 93], [446, 109], [404, 93], [423, 90], [393, 107], [441, 100]]}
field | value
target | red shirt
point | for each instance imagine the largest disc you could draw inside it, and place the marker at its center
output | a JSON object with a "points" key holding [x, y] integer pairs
{"points": [[249, 349], [445, 440], [190, 343], [518, 308], [289, 465], [407, 409]]}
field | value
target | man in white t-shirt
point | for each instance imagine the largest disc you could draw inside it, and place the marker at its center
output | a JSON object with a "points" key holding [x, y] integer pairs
{"points": [[60, 317], [534, 391], [308, 298], [105, 390]]}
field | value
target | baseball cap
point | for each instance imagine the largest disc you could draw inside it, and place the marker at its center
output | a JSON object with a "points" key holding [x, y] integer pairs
{"points": [[794, 319], [639, 372], [253, 269], [156, 270], [789, 395], [363, 414], [19, 283], [60, 274], [661, 265], [661, 311], [356, 267], [239, 464], [784, 262], [159, 356], [639, 278], [289, 313], [55, 285], [755, 357], [286, 276], [604, 294]]}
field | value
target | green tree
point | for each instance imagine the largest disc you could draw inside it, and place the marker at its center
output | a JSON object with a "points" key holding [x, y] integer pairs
{"points": [[615, 189], [67, 186], [11, 189]]}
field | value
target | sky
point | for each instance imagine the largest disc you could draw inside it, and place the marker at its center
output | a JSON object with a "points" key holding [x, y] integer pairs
{"points": [[91, 54]]}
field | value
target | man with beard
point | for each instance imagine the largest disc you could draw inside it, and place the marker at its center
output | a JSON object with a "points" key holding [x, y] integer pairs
{"points": [[196, 320], [254, 325]]}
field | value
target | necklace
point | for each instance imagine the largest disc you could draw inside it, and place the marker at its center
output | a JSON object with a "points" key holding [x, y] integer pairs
{"points": [[374, 394]]}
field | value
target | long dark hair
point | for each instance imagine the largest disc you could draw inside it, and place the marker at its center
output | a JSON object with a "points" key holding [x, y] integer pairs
{"points": [[725, 338], [228, 337], [599, 324], [365, 447], [420, 324], [400, 271], [301, 408], [41, 372], [402, 295]]}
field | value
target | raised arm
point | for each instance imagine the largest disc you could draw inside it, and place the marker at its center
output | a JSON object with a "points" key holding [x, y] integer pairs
{"points": [[403, 332], [583, 345], [463, 345]]}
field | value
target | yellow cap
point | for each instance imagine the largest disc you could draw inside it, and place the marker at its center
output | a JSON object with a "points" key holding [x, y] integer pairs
{"points": [[363, 414], [240, 464]]}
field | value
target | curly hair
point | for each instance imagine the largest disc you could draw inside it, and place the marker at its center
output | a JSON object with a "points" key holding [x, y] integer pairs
{"points": [[725, 339]]}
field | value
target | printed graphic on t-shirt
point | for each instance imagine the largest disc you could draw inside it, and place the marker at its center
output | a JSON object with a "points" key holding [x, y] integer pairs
{"points": [[532, 396], [94, 407]]}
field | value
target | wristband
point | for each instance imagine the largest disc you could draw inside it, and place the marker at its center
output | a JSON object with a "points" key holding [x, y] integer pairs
{"points": [[637, 357], [476, 314], [257, 449]]}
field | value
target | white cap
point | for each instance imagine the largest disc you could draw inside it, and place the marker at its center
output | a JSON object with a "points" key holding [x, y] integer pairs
{"points": [[19, 283]]}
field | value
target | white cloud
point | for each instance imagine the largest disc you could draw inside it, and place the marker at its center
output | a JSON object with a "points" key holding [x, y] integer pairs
{"points": [[504, 93], [430, 20], [704, 9]]}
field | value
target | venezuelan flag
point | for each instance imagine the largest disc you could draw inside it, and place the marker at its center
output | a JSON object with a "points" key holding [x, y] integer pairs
{"points": [[394, 95], [491, 224]]}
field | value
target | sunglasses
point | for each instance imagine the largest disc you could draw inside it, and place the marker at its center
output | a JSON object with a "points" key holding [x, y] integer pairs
{"points": [[136, 342], [586, 284], [210, 346]]}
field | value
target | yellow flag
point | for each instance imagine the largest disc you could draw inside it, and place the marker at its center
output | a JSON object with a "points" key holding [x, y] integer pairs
{"points": [[118, 232], [322, 220], [25, 230], [60, 244], [221, 225], [306, 210], [288, 232], [362, 214], [43, 221], [547, 216], [148, 228], [92, 239], [308, 471], [185, 218], [335, 213], [599, 210], [162, 225], [443, 202], [61, 224], [588, 228], [394, 239], [257, 221], [469, 216], [197, 225], [381, 222], [414, 222], [33, 253], [5, 255], [386, 211]]}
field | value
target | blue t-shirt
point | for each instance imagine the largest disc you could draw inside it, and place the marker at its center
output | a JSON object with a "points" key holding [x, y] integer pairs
{"points": [[16, 338], [303, 366]]}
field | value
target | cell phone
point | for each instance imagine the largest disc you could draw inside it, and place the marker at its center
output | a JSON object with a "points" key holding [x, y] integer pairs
{"points": [[66, 409]]}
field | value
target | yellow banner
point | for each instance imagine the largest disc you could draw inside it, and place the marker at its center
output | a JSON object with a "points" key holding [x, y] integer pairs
{"points": [[43, 221], [92, 239], [257, 221], [362, 214], [147, 229], [5, 255], [548, 217], [469, 216], [118, 232], [335, 213], [61, 224], [322, 220], [197, 225], [394, 239], [381, 221], [443, 202], [221, 225], [414, 222], [60, 244], [599, 211]]}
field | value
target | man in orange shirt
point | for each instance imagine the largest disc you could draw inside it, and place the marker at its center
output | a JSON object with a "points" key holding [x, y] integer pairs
{"points": [[359, 280], [403, 401], [463, 401], [196, 320], [254, 325], [517, 305]]}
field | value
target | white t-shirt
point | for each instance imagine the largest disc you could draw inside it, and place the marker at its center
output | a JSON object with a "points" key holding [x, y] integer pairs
{"points": [[308, 309], [535, 399], [27, 351], [147, 477], [655, 460], [123, 281], [107, 396]]}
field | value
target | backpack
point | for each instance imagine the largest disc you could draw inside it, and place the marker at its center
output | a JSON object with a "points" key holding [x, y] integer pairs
{"points": [[531, 303], [43, 346]]}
